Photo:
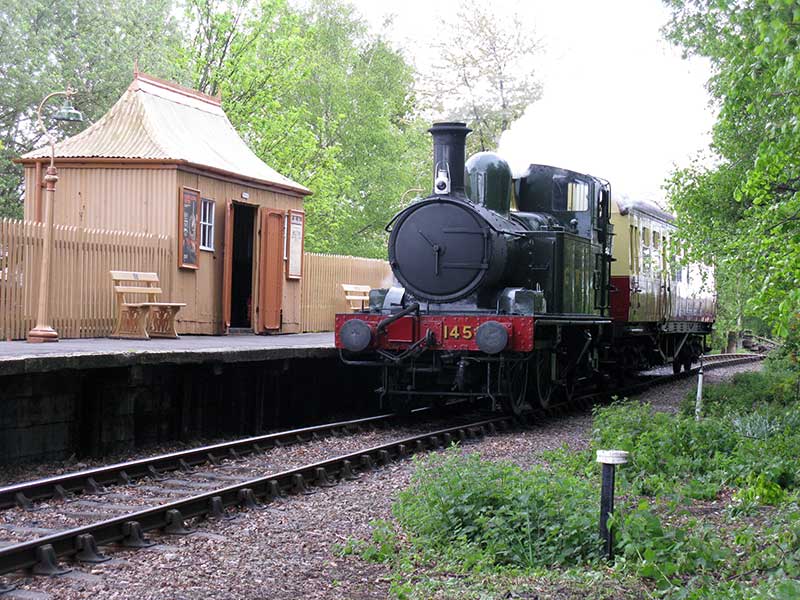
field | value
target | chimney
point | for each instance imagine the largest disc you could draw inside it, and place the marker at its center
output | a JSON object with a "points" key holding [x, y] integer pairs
{"points": [[449, 153]]}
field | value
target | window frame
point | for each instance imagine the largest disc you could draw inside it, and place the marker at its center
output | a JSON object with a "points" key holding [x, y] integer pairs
{"points": [[207, 227], [577, 191]]}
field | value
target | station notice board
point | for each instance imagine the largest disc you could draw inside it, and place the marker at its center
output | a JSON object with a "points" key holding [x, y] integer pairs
{"points": [[189, 229], [294, 262]]}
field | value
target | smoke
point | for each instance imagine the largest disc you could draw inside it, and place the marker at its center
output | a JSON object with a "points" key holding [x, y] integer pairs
{"points": [[389, 281]]}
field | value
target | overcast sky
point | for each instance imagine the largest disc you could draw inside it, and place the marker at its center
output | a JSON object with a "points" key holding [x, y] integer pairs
{"points": [[619, 102]]}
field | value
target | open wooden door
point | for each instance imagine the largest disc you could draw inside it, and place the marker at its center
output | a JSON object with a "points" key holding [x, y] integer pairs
{"points": [[270, 293], [227, 267]]}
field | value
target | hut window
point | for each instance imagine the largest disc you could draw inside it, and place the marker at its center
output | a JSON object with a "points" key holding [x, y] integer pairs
{"points": [[207, 225]]}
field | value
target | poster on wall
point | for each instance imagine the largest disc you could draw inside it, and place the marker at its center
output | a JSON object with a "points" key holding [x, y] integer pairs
{"points": [[294, 267], [189, 230]]}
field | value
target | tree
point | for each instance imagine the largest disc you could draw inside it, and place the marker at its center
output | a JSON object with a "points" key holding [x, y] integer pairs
{"points": [[90, 45], [322, 101], [311, 91], [486, 71], [744, 212]]}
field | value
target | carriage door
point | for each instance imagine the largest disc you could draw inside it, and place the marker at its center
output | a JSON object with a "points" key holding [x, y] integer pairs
{"points": [[271, 266]]}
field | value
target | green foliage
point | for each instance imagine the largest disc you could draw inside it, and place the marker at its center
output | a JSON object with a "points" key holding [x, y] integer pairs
{"points": [[89, 45], [479, 523], [322, 101], [759, 490], [662, 552], [750, 396], [313, 93], [744, 212], [482, 513], [747, 438], [383, 546], [666, 450]]}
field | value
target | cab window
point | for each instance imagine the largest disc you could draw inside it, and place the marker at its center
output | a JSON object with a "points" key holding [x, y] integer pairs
{"points": [[570, 195], [577, 196]]}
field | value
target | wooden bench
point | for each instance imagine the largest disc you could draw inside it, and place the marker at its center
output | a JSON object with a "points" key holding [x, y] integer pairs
{"points": [[357, 296], [142, 320]]}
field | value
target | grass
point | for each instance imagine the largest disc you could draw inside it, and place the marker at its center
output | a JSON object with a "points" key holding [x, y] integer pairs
{"points": [[705, 509]]}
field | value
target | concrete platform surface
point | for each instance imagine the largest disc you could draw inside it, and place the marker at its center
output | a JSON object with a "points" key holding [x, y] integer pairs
{"points": [[95, 353]]}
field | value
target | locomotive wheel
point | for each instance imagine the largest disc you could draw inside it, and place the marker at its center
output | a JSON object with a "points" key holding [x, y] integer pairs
{"points": [[687, 363], [676, 366], [516, 388], [568, 390], [542, 384]]}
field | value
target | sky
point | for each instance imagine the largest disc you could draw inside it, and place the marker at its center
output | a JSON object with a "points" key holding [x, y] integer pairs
{"points": [[618, 100]]}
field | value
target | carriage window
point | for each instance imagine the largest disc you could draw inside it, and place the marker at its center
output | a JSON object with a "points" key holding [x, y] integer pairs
{"points": [[635, 267], [656, 253], [646, 259], [577, 196]]}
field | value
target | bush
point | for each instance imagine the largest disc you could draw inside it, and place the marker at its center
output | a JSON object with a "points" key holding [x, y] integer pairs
{"points": [[489, 513], [776, 386], [747, 436], [667, 449], [661, 553]]}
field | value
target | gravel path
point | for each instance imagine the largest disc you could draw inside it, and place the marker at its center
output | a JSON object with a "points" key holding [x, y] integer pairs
{"points": [[287, 550]]}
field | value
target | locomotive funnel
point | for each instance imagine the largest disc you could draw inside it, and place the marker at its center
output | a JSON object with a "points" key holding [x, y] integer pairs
{"points": [[449, 154]]}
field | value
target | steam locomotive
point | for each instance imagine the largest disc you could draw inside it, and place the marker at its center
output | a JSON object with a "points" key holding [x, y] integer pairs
{"points": [[510, 290]]}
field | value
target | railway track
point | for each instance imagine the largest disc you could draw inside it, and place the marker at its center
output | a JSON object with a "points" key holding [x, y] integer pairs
{"points": [[710, 362], [642, 383], [92, 481], [41, 555], [221, 490]]}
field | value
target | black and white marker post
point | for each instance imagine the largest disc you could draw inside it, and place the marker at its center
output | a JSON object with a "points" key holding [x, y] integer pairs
{"points": [[609, 459], [698, 402]]}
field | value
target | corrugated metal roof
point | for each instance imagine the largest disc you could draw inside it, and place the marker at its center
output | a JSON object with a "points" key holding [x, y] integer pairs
{"points": [[158, 120]]}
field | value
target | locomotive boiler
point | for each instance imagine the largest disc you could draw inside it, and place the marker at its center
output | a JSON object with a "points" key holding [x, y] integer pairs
{"points": [[503, 288]]}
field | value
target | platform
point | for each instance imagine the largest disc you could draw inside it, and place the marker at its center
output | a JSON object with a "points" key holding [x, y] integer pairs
{"points": [[97, 353], [92, 397]]}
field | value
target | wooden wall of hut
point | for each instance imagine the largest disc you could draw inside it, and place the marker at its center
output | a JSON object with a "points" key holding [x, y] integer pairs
{"points": [[145, 199], [202, 287], [110, 196]]}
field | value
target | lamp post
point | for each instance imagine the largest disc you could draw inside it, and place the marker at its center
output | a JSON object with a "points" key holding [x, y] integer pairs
{"points": [[43, 332]]}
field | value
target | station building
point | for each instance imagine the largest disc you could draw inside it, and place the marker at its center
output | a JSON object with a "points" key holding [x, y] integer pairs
{"points": [[166, 160]]}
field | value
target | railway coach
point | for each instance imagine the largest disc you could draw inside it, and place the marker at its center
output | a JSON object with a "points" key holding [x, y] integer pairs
{"points": [[510, 290]]}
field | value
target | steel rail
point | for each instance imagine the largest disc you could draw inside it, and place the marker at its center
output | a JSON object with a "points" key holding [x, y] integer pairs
{"points": [[92, 480], [41, 553], [711, 362], [582, 401]]}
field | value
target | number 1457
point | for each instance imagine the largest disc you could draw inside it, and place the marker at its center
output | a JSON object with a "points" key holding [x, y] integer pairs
{"points": [[457, 332]]}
